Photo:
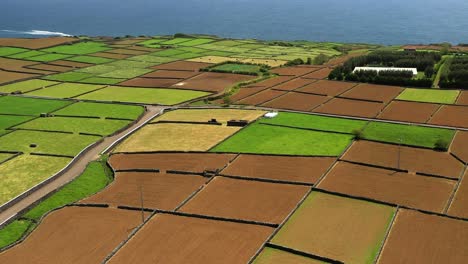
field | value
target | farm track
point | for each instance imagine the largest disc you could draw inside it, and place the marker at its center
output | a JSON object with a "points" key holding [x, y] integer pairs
{"points": [[77, 166]]}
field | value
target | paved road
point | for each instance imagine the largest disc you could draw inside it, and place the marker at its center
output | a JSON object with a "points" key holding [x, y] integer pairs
{"points": [[78, 165]]}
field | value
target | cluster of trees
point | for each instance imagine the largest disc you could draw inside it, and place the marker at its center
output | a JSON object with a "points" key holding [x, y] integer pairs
{"points": [[318, 60], [423, 61], [457, 74]]}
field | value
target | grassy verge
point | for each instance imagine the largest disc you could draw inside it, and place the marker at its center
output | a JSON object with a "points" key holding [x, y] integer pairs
{"points": [[14, 231]]}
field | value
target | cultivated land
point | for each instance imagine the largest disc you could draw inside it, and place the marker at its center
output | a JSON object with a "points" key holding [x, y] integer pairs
{"points": [[332, 166]]}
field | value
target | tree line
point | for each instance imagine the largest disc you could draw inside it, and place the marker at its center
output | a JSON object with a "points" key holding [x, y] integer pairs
{"points": [[457, 74]]}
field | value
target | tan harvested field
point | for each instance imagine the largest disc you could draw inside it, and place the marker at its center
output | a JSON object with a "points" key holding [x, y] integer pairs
{"points": [[6, 77], [450, 115], [346, 107], [297, 101], [339, 228], [188, 162], [211, 59], [174, 137], [462, 98], [460, 146], [373, 92], [325, 87], [20, 66], [110, 55], [245, 92], [192, 240], [50, 67], [269, 62], [261, 97], [212, 81], [271, 255], [422, 238], [320, 74], [127, 51], [459, 206], [283, 168], [293, 84], [150, 82], [293, 71], [159, 190], [246, 200], [415, 191], [411, 159], [37, 43], [182, 66], [409, 111], [75, 235], [204, 115], [72, 64], [272, 81], [170, 74]]}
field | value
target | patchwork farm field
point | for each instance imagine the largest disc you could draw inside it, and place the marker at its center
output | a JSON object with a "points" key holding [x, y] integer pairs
{"points": [[200, 149]]}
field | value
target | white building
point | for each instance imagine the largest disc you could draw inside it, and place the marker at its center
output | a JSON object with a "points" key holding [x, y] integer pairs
{"points": [[378, 69]]}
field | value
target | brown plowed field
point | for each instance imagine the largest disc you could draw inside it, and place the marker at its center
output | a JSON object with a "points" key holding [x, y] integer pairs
{"points": [[126, 51], [298, 169], [293, 84], [451, 115], [339, 228], [272, 81], [75, 235], [422, 238], [35, 43], [247, 200], [182, 66], [320, 74], [325, 87], [170, 74], [246, 91], [411, 159], [342, 59], [160, 190], [373, 92], [261, 97], [19, 65], [409, 111], [6, 77], [178, 239], [293, 71], [340, 106], [49, 67], [150, 82], [110, 55], [427, 193], [459, 206], [188, 162], [463, 98], [297, 101], [212, 81], [72, 64], [460, 146]]}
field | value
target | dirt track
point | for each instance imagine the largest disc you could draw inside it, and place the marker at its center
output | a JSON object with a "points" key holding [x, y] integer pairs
{"points": [[76, 168]]}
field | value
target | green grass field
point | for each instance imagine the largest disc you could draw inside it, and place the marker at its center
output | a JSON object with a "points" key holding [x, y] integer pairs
{"points": [[25, 171], [90, 59], [102, 110], [7, 121], [429, 95], [26, 86], [6, 51], [68, 76], [126, 73], [29, 106], [176, 41], [153, 60], [264, 139], [97, 69], [130, 64], [238, 67], [406, 134], [47, 142], [92, 180], [143, 95], [101, 127], [79, 48], [196, 42], [66, 90], [48, 57], [26, 55], [5, 156], [14, 231], [168, 52], [317, 122], [101, 80]]}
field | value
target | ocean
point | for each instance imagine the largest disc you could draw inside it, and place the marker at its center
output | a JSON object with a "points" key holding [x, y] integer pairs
{"points": [[356, 21]]}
